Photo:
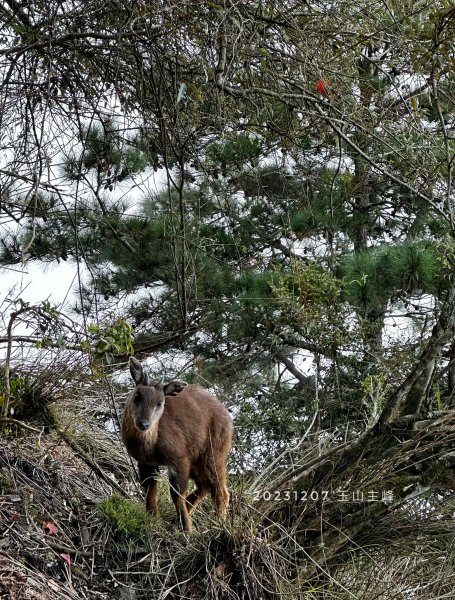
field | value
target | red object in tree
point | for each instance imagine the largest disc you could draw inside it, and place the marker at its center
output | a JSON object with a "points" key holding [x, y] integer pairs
{"points": [[322, 86]]}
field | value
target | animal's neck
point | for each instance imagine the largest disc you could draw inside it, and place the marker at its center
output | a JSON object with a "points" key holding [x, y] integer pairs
{"points": [[151, 436]]}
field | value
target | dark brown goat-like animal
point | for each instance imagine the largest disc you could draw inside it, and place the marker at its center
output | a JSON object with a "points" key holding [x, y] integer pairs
{"points": [[184, 428]]}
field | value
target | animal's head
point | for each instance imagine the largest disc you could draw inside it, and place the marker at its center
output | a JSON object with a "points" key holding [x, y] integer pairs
{"points": [[148, 399]]}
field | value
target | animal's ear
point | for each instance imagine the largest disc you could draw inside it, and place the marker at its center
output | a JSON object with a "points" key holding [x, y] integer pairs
{"points": [[137, 372], [173, 388]]}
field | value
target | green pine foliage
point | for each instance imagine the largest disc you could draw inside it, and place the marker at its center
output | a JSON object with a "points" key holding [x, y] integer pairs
{"points": [[372, 277], [272, 181], [324, 206], [106, 153], [235, 151]]}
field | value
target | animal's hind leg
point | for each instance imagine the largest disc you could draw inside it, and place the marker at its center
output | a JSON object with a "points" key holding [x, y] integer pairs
{"points": [[220, 497], [196, 497], [219, 490]]}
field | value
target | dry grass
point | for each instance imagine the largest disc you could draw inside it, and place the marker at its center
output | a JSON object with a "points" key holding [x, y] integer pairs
{"points": [[43, 482], [73, 526]]}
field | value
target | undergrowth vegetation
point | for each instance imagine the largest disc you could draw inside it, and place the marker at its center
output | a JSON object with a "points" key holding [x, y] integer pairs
{"points": [[67, 535], [74, 526]]}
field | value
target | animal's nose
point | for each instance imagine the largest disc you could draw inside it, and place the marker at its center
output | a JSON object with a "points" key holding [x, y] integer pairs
{"points": [[143, 425]]}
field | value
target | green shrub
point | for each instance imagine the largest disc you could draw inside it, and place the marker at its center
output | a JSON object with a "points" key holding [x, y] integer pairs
{"points": [[127, 518]]}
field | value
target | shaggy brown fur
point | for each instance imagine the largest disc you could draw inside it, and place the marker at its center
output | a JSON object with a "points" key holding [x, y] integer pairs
{"points": [[190, 433]]}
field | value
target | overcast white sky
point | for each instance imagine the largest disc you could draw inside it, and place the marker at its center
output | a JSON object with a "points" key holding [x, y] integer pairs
{"points": [[33, 283]]}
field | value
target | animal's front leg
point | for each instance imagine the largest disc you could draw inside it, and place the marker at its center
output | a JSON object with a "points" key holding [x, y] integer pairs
{"points": [[149, 480]]}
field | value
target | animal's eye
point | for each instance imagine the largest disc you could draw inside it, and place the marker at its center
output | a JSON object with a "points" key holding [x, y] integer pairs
{"points": [[137, 398], [159, 403]]}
